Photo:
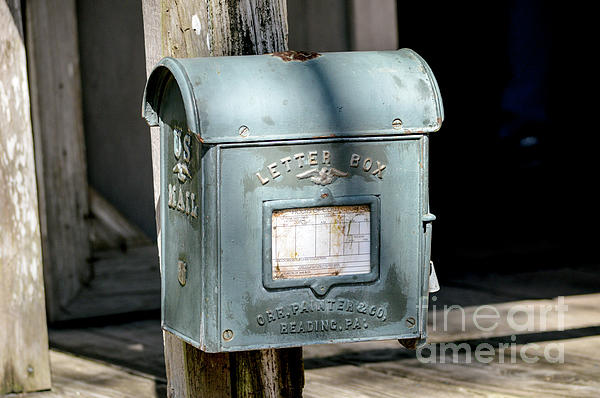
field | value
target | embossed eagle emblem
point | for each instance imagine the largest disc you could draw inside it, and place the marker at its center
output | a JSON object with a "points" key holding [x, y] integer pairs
{"points": [[182, 172], [325, 176]]}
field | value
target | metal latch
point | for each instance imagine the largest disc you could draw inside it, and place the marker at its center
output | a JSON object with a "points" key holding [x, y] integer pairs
{"points": [[428, 217]]}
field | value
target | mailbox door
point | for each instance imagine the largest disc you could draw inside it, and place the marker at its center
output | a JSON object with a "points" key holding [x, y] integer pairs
{"points": [[181, 208], [321, 241]]}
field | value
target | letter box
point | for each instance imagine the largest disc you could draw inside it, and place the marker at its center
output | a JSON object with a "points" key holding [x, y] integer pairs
{"points": [[294, 197]]}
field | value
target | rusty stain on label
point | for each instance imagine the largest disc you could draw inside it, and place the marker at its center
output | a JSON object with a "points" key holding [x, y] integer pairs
{"points": [[321, 241], [300, 56]]}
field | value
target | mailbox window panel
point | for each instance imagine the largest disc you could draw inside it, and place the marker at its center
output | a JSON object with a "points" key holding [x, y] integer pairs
{"points": [[180, 218], [261, 313], [320, 241]]}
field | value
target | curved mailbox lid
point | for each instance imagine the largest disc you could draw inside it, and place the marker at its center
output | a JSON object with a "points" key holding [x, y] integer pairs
{"points": [[294, 95]]}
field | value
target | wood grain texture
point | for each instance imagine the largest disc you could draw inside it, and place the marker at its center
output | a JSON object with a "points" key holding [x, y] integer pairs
{"points": [[385, 369], [268, 373], [577, 376], [124, 282], [24, 364], [77, 377], [201, 28], [194, 28], [371, 369], [135, 345], [53, 60]]}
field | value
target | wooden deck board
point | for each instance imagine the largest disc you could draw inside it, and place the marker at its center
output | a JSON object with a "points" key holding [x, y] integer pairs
{"points": [[385, 369], [577, 376], [137, 345], [406, 376], [82, 378], [124, 282]]}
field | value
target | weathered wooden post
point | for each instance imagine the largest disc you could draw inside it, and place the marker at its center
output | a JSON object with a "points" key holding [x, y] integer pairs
{"points": [[53, 63], [194, 28], [24, 361]]}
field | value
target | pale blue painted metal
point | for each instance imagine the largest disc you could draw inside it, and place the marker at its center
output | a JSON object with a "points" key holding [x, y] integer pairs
{"points": [[325, 96], [228, 124]]}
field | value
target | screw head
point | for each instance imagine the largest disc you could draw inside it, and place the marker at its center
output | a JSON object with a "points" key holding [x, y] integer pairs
{"points": [[397, 124], [244, 131], [411, 322], [227, 334]]}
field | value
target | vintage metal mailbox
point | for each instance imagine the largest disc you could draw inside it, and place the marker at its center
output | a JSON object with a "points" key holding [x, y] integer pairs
{"points": [[294, 197]]}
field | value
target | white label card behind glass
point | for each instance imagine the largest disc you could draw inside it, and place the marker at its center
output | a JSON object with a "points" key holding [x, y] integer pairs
{"points": [[321, 241]]}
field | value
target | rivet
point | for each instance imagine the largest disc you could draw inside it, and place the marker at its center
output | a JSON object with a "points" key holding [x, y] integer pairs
{"points": [[227, 334], [397, 124], [411, 322], [244, 131], [30, 369], [324, 195]]}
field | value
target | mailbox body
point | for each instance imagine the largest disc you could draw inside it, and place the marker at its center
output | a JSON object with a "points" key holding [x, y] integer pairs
{"points": [[294, 205]]}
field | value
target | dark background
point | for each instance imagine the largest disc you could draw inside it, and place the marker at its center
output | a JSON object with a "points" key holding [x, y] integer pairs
{"points": [[513, 168]]}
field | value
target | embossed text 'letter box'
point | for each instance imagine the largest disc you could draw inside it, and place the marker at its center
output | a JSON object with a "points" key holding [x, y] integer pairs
{"points": [[294, 197]]}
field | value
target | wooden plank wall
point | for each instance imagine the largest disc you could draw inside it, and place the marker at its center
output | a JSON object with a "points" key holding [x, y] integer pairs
{"points": [[24, 361], [53, 60]]}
